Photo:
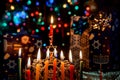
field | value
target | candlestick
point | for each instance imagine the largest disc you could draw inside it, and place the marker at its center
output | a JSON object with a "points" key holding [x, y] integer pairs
{"points": [[37, 71], [51, 30], [62, 66], [81, 65], [19, 64], [81, 72], [54, 68], [71, 72], [38, 65], [28, 72], [46, 65], [54, 64], [46, 70], [71, 66]]}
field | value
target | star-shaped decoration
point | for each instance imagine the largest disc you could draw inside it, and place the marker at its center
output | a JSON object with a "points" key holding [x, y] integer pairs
{"points": [[96, 44], [38, 43], [51, 48], [11, 64]]}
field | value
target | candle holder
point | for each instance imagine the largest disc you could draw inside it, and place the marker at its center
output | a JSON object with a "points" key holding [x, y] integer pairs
{"points": [[81, 69], [50, 68], [101, 59]]}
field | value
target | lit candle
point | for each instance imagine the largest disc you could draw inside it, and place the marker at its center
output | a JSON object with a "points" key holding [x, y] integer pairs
{"points": [[54, 64], [81, 65], [62, 66], [28, 72], [51, 30], [51, 26], [71, 66], [38, 65], [46, 66], [19, 63]]}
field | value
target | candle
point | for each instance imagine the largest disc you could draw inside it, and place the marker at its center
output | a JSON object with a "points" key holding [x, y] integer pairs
{"points": [[81, 65], [51, 31], [28, 72], [38, 65], [54, 64], [51, 27], [19, 63], [71, 66], [54, 69], [46, 70], [62, 66], [46, 66]]}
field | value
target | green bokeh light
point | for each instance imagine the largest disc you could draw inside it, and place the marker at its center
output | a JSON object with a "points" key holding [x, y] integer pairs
{"points": [[29, 2], [76, 7], [56, 9], [69, 12], [37, 30], [4, 24]]}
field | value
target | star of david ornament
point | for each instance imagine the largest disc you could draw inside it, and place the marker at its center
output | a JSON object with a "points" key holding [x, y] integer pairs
{"points": [[38, 43], [11, 64], [96, 44]]}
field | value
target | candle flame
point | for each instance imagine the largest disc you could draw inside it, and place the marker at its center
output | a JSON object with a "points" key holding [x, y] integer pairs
{"points": [[80, 54], [47, 56], [70, 56], [39, 55], [52, 20], [29, 62], [55, 52], [19, 54], [61, 55]]}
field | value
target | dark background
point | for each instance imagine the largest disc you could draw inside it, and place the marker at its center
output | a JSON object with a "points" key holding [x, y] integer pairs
{"points": [[111, 6]]}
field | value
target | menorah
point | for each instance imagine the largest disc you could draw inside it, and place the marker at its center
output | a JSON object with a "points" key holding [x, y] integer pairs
{"points": [[62, 71], [101, 59]]}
